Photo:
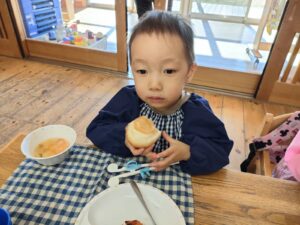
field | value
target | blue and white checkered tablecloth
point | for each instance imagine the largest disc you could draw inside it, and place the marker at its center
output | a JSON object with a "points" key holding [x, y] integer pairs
{"points": [[37, 194]]}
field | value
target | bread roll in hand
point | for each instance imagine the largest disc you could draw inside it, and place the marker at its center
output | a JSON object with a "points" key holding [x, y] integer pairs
{"points": [[141, 132]]}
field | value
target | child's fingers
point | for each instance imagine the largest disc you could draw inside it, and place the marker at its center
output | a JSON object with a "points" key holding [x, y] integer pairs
{"points": [[164, 154], [167, 137], [148, 149], [137, 151], [134, 151], [152, 156], [161, 164]]}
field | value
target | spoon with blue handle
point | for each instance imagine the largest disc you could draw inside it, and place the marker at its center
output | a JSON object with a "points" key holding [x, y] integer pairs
{"points": [[115, 180], [129, 166]]}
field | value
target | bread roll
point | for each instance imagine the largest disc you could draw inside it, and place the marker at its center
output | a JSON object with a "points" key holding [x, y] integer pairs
{"points": [[141, 132]]}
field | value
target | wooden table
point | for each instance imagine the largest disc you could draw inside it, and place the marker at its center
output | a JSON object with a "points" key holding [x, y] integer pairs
{"points": [[225, 197]]}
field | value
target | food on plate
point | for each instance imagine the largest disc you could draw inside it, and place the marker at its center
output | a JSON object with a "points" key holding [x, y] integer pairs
{"points": [[142, 132], [50, 147], [133, 222]]}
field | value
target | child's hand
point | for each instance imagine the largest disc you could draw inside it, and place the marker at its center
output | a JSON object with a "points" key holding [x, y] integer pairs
{"points": [[176, 152], [138, 151]]}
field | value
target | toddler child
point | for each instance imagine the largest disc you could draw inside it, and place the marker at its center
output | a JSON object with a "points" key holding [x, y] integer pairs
{"points": [[162, 61]]}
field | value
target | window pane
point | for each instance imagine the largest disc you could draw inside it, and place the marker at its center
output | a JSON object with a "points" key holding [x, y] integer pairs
{"points": [[232, 34], [70, 22], [221, 7]]}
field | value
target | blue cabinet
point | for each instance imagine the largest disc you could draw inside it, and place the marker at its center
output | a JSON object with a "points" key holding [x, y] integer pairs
{"points": [[40, 16]]}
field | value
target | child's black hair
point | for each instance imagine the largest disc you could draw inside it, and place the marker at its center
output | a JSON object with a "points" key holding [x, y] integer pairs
{"points": [[163, 22]]}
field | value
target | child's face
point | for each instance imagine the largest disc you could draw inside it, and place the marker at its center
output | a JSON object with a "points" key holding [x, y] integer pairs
{"points": [[160, 69]]}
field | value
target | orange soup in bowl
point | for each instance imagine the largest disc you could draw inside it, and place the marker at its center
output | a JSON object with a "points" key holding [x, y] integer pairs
{"points": [[50, 147]]}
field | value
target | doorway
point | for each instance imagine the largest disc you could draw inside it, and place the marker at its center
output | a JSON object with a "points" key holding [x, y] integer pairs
{"points": [[70, 31], [233, 38]]}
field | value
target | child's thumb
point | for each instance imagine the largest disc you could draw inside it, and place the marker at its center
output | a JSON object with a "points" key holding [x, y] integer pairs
{"points": [[167, 137], [152, 156]]}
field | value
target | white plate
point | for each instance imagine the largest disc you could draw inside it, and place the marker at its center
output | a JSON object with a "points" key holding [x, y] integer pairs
{"points": [[115, 205]]}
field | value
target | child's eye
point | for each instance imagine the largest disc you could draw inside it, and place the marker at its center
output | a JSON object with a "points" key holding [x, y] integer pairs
{"points": [[169, 71], [141, 71]]}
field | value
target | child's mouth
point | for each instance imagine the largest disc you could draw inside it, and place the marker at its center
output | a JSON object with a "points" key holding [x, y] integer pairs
{"points": [[155, 99]]}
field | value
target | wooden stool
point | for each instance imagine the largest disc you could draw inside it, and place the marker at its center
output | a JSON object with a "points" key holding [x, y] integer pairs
{"points": [[261, 163]]}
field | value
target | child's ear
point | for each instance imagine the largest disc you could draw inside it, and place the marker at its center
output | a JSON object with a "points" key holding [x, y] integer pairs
{"points": [[191, 72]]}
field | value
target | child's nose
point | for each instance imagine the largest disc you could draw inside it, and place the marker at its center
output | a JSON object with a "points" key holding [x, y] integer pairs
{"points": [[154, 83]]}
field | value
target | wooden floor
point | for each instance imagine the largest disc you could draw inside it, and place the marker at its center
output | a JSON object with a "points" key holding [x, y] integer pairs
{"points": [[34, 94]]}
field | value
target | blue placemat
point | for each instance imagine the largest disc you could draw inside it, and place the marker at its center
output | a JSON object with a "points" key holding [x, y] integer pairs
{"points": [[37, 194]]}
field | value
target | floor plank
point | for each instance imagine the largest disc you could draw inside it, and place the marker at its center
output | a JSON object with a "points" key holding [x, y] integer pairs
{"points": [[233, 119], [34, 94], [216, 103]]}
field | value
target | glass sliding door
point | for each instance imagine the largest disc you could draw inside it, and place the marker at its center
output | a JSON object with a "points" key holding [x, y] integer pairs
{"points": [[229, 10], [232, 39], [74, 31], [109, 4], [101, 4]]}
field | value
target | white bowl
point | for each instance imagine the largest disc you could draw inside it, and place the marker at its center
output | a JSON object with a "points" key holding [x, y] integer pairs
{"points": [[39, 135]]}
